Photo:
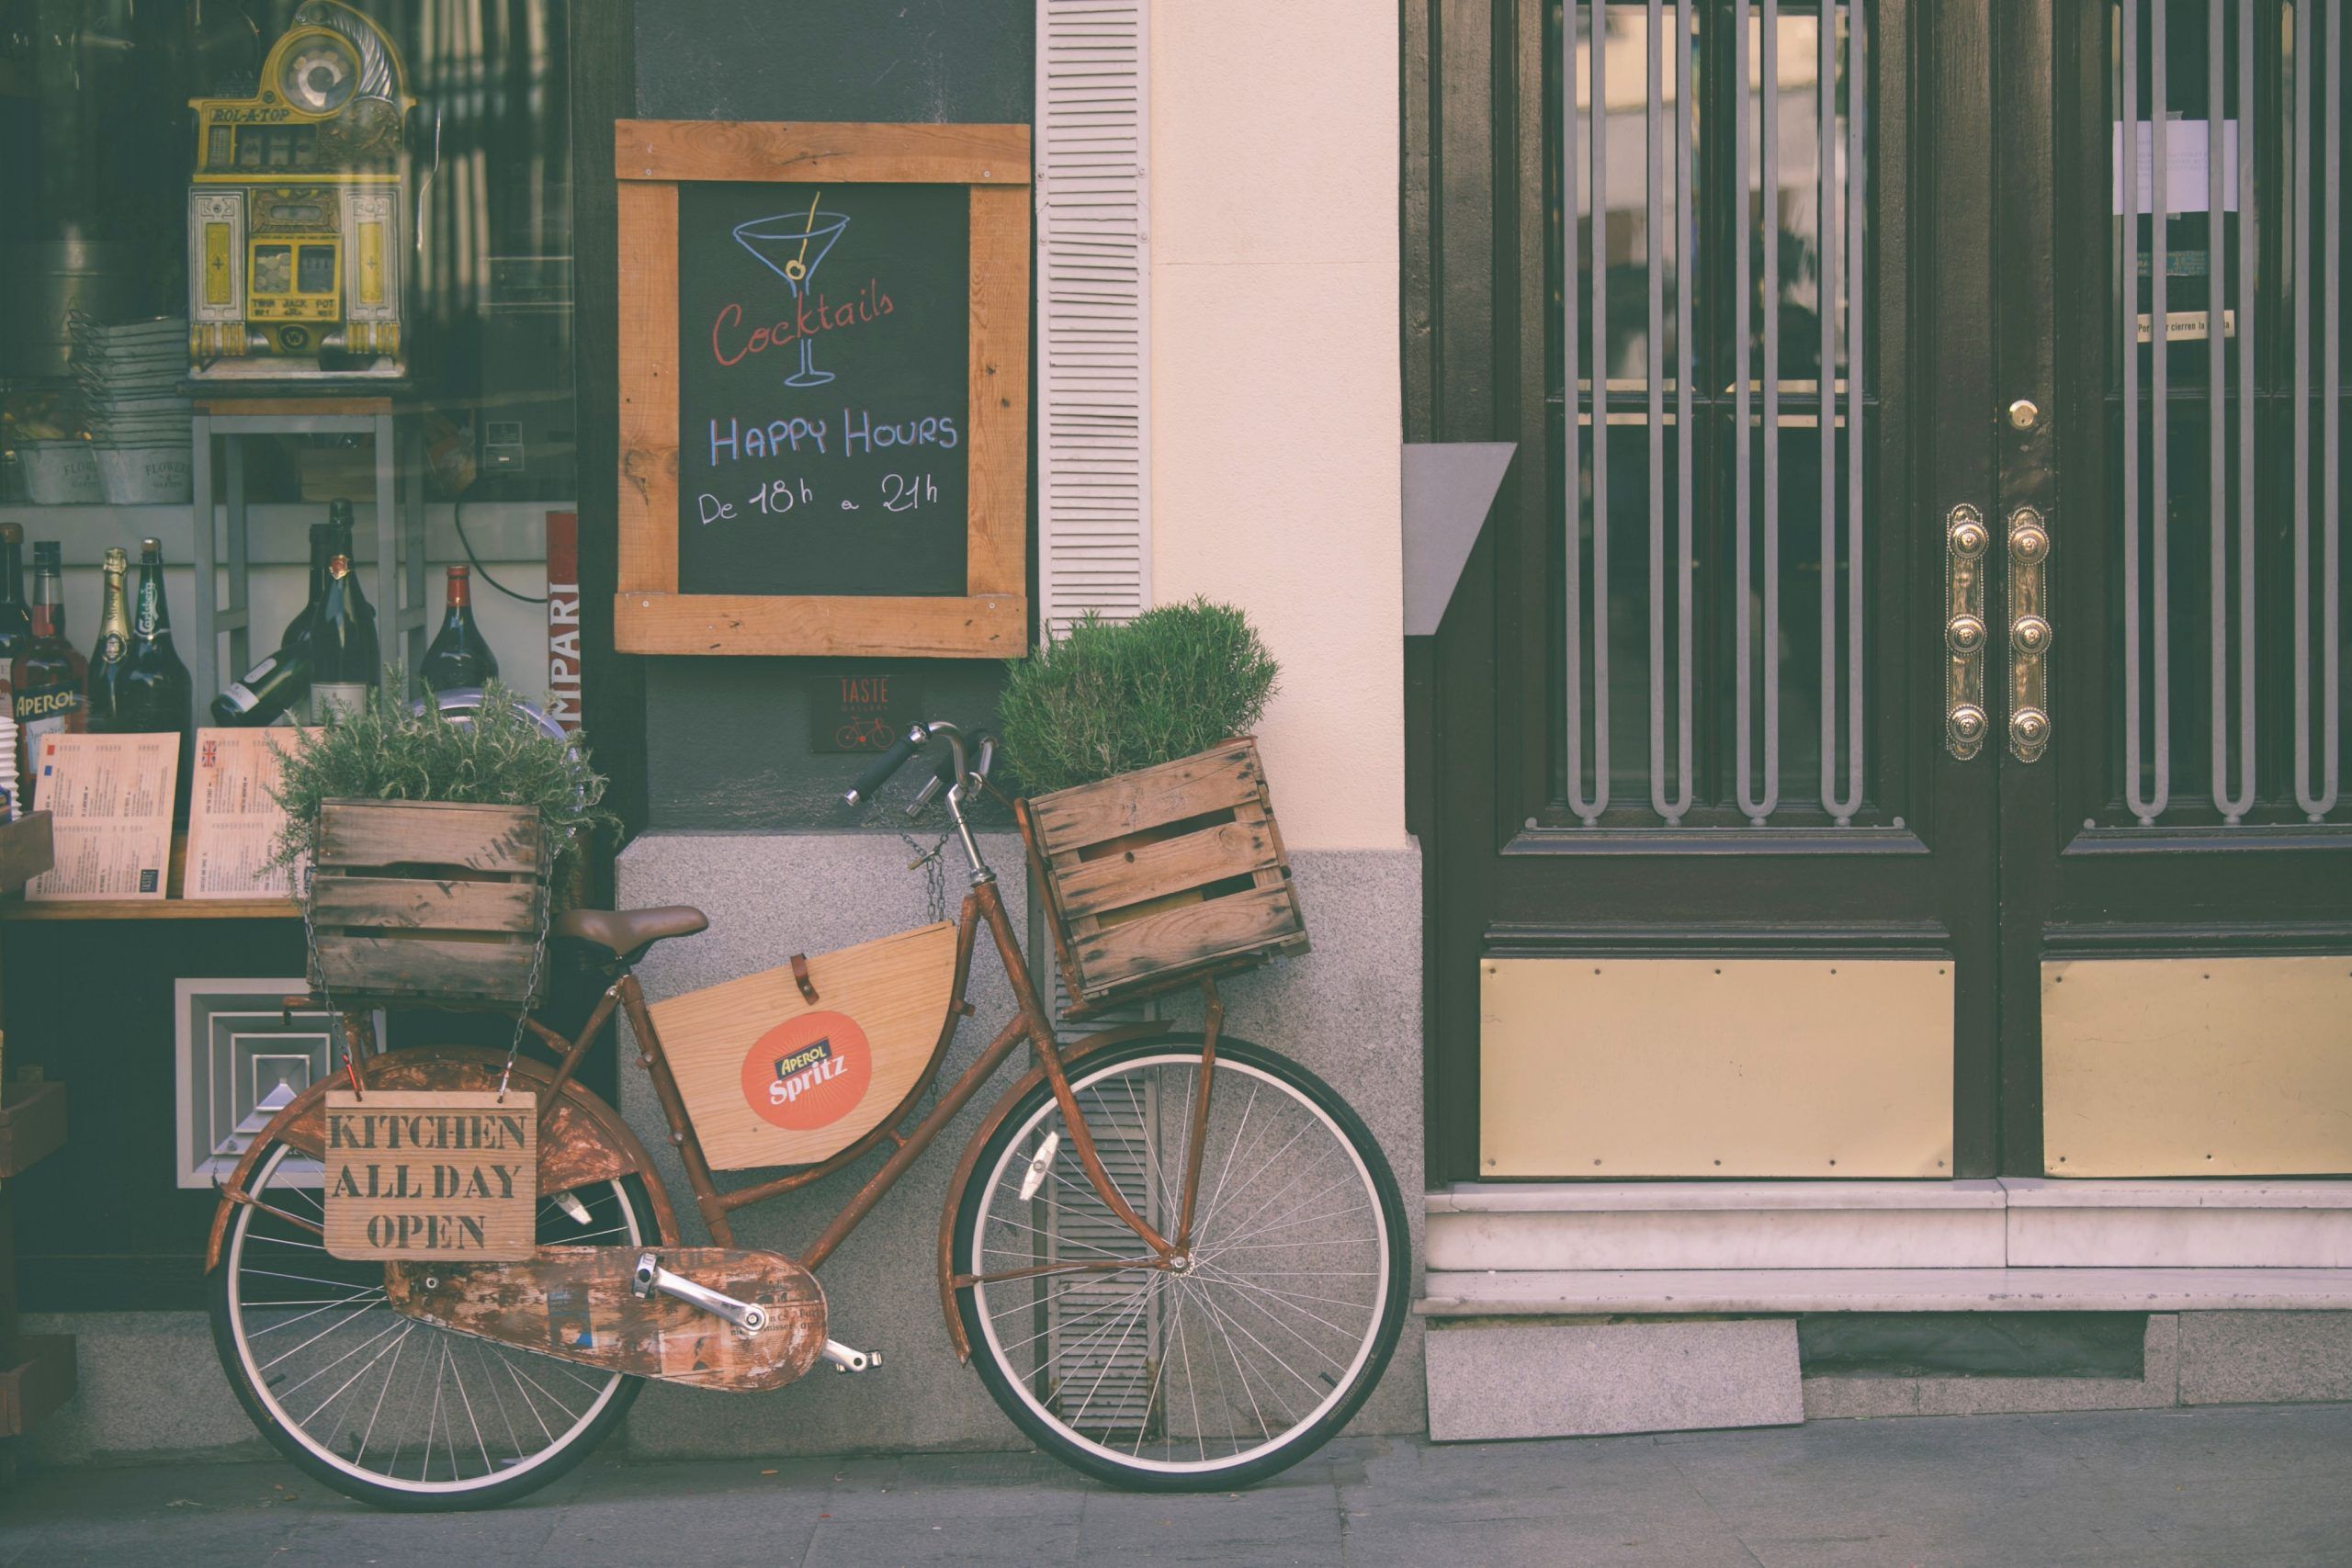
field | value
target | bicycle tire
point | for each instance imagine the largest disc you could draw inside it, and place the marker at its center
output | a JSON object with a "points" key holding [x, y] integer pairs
{"points": [[577, 1443], [1008, 1382]]}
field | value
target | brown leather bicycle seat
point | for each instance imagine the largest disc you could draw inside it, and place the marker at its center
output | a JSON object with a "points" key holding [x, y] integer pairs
{"points": [[626, 932]]}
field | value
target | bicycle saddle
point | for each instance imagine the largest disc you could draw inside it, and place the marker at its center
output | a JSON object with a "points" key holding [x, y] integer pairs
{"points": [[629, 932]]}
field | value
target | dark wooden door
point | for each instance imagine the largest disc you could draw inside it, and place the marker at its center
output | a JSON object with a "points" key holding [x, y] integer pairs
{"points": [[1690, 697], [2031, 657], [2179, 336]]}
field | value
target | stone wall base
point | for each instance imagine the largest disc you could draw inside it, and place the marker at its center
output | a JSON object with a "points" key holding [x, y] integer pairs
{"points": [[1499, 1378]]}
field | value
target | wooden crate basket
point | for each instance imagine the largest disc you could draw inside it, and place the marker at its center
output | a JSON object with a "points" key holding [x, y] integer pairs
{"points": [[427, 901], [1156, 877]]}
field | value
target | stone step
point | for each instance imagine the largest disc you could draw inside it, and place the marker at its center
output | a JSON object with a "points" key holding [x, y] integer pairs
{"points": [[1988, 1223], [1653, 1292]]}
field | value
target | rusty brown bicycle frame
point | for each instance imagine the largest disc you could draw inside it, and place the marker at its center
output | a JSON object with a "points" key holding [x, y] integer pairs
{"points": [[985, 904]]}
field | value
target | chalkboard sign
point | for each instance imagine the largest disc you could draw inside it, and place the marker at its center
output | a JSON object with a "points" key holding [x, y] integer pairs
{"points": [[822, 390], [825, 388]]}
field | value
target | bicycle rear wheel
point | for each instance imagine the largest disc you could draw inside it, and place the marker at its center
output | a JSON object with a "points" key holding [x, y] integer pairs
{"points": [[1240, 1364], [381, 1406]]}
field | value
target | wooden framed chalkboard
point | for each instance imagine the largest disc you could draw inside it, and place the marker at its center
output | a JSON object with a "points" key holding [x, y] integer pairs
{"points": [[824, 374]]}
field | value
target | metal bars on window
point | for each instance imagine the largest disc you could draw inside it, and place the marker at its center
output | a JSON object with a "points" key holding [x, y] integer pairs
{"points": [[2233, 800], [2265, 163], [2317, 799], [1775, 192]]}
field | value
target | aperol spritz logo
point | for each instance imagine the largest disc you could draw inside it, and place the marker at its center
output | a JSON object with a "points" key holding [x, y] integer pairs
{"points": [[809, 1072]]}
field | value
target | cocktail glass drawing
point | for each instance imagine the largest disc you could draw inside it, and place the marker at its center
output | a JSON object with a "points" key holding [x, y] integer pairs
{"points": [[791, 245]]}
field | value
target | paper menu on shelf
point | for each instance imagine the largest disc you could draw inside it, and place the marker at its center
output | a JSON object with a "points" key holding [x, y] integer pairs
{"points": [[234, 822], [109, 800]]}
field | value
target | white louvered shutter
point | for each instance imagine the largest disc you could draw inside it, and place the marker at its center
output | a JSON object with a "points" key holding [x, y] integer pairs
{"points": [[1093, 310]]}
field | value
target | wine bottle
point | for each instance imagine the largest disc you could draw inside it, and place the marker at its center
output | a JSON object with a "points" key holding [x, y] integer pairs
{"points": [[47, 675], [107, 674], [345, 662], [156, 685], [321, 546], [267, 690], [282, 679], [15, 617], [459, 656]]}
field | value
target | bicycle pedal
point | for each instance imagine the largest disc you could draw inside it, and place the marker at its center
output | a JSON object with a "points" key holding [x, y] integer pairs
{"points": [[845, 1359]]}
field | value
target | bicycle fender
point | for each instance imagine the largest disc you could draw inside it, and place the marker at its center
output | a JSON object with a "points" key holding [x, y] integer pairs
{"points": [[1125, 1035], [585, 1141]]}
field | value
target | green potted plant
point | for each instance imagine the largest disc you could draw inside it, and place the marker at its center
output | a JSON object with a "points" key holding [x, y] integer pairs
{"points": [[436, 845], [1147, 818]]}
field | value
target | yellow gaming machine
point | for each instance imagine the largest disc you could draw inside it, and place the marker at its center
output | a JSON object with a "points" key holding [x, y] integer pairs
{"points": [[297, 214]]}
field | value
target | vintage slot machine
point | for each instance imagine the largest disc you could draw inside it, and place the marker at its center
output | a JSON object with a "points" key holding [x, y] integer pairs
{"points": [[296, 214]]}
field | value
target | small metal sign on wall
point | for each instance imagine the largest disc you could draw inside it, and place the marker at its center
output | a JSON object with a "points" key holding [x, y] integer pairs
{"points": [[424, 1174]]}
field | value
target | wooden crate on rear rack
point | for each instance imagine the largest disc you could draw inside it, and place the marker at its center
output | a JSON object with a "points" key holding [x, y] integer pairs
{"points": [[1156, 878], [427, 901]]}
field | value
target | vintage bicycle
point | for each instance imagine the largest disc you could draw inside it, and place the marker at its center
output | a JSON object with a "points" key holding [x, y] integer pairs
{"points": [[1178, 1261]]}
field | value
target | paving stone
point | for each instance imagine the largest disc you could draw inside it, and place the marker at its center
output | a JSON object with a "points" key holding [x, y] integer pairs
{"points": [[1508, 1379], [2245, 1487]]}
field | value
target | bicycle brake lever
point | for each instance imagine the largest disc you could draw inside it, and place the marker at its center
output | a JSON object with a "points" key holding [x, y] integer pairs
{"points": [[924, 796]]}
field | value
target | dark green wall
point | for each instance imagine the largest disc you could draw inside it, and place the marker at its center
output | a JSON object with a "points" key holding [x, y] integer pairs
{"points": [[727, 740]]}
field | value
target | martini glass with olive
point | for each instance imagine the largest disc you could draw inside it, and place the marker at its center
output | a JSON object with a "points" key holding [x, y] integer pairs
{"points": [[791, 245]]}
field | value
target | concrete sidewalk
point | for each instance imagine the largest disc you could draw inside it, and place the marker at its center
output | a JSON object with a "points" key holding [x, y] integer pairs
{"points": [[2235, 1486]]}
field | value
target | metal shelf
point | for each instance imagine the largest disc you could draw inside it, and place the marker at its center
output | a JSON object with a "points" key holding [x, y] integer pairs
{"points": [[219, 537]]}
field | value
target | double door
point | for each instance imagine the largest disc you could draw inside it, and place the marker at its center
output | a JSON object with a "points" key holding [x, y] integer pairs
{"points": [[1891, 724]]}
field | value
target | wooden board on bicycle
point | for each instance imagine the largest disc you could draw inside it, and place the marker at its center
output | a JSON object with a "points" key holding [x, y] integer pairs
{"points": [[1178, 1261]]}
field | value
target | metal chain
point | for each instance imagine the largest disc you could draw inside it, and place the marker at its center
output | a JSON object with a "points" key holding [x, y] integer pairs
{"points": [[933, 865], [335, 1035], [546, 913]]}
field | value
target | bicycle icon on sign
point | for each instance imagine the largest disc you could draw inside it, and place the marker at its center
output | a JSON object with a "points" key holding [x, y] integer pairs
{"points": [[866, 735]]}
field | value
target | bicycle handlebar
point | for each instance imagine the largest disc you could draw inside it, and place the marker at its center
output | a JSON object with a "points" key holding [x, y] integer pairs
{"points": [[887, 763]]}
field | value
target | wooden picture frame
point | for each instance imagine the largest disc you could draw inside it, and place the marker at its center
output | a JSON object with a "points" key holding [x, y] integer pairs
{"points": [[991, 619]]}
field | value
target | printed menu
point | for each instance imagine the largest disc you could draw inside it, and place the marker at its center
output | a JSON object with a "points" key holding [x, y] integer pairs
{"points": [[109, 799], [233, 820]]}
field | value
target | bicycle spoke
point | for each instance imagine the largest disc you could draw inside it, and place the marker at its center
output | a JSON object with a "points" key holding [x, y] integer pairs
{"points": [[440, 1419], [1234, 1356]]}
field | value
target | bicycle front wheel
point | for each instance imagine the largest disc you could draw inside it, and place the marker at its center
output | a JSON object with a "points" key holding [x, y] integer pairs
{"points": [[1244, 1361]]}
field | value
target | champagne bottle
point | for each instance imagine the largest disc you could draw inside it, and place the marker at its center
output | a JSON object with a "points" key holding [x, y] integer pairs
{"points": [[48, 673], [15, 616], [107, 674], [156, 685], [346, 662], [459, 656]]}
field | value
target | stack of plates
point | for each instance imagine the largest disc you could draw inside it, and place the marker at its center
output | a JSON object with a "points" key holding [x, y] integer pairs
{"points": [[133, 381], [14, 807]]}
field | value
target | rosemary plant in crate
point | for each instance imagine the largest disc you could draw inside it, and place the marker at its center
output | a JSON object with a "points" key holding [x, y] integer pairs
{"points": [[433, 845], [1149, 822]]}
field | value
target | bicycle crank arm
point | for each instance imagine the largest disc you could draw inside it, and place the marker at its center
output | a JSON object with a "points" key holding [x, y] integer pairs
{"points": [[651, 1278]]}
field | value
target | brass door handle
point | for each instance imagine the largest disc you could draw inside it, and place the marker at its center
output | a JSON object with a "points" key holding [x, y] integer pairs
{"points": [[2030, 634], [1965, 722]]}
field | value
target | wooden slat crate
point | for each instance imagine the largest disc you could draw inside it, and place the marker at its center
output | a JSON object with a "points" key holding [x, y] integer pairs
{"points": [[1155, 876], [418, 900]]}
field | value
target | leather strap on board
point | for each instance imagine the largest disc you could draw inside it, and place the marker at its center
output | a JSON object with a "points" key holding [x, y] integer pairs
{"points": [[800, 977]]}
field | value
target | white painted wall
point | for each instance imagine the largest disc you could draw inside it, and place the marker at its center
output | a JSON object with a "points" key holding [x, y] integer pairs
{"points": [[1277, 409]]}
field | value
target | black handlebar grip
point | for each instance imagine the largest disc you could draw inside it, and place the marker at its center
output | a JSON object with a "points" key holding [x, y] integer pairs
{"points": [[879, 774]]}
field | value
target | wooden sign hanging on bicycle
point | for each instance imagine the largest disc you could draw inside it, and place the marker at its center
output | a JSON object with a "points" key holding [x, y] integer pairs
{"points": [[1177, 1259]]}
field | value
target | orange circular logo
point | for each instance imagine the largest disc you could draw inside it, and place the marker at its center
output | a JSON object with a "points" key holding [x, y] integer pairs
{"points": [[809, 1072]]}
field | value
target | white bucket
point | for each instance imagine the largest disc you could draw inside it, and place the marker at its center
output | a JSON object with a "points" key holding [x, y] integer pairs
{"points": [[62, 473], [146, 476]]}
